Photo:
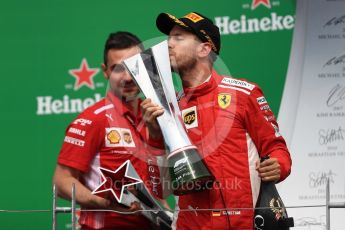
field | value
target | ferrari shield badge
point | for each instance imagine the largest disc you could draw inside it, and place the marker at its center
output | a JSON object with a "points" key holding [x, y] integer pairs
{"points": [[224, 100]]}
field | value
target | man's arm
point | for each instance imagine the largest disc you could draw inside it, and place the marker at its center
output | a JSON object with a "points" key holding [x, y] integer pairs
{"points": [[63, 179], [264, 130]]}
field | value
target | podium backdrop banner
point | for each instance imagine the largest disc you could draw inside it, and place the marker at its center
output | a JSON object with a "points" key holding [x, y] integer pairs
{"points": [[51, 55], [312, 113]]}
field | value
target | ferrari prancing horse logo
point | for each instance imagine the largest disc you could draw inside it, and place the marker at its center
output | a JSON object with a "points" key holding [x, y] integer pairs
{"points": [[224, 100]]}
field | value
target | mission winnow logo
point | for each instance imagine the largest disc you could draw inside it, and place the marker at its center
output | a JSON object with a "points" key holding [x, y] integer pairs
{"points": [[246, 23], [83, 77]]}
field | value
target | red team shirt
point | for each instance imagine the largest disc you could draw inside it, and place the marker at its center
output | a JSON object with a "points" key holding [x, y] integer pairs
{"points": [[106, 135]]}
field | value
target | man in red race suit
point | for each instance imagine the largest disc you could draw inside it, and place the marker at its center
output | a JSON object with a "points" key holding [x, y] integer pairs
{"points": [[230, 122], [106, 135]]}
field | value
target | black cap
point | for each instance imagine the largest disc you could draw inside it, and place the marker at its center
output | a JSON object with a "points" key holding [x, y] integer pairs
{"points": [[193, 22]]}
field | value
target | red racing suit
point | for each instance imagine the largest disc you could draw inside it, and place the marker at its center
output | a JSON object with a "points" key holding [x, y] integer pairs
{"points": [[231, 123], [106, 135]]}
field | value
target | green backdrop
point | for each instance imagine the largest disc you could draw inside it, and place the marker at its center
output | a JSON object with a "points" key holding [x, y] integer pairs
{"points": [[42, 40]]}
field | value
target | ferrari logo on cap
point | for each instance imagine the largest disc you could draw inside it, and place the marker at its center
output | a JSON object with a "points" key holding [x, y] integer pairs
{"points": [[193, 17], [224, 100]]}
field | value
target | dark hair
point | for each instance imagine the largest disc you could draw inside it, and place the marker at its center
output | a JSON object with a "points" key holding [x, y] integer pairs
{"points": [[120, 40]]}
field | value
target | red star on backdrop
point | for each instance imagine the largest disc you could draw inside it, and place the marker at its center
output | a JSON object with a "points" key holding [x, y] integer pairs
{"points": [[116, 181], [266, 3], [84, 75]]}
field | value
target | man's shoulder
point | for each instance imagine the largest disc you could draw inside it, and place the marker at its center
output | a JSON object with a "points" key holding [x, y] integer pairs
{"points": [[96, 111]]}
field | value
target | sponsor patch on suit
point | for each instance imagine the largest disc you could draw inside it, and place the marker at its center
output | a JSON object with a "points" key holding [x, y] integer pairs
{"points": [[118, 137], [224, 100], [190, 117]]}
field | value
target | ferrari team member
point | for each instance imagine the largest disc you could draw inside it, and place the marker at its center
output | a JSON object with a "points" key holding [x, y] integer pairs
{"points": [[230, 122], [106, 135]]}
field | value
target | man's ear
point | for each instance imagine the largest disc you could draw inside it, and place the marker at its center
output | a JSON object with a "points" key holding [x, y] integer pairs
{"points": [[204, 49], [104, 69]]}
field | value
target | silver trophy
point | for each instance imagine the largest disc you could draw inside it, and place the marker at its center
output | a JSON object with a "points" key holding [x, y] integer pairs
{"points": [[152, 73]]}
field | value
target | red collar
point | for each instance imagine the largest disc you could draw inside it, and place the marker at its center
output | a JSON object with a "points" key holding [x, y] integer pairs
{"points": [[204, 88], [122, 109]]}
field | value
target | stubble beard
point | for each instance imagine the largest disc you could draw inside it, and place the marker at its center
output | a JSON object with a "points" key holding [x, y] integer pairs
{"points": [[184, 66]]}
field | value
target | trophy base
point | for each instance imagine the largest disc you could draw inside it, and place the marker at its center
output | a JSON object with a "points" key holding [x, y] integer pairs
{"points": [[189, 173]]}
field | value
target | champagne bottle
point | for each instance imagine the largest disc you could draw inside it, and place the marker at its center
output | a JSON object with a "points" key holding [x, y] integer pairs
{"points": [[270, 212]]}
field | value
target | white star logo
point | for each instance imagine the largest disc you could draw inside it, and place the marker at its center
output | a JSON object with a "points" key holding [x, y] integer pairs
{"points": [[116, 181]]}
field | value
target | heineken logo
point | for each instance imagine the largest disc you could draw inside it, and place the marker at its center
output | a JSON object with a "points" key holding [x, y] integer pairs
{"points": [[65, 104], [245, 24], [47, 105]]}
